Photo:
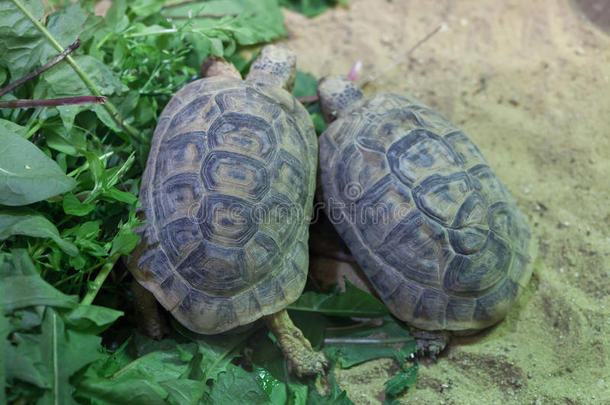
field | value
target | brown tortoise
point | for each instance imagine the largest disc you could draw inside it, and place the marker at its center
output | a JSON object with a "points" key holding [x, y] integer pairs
{"points": [[424, 215], [227, 196]]}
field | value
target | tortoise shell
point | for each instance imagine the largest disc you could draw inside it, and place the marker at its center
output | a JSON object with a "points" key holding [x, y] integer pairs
{"points": [[424, 215], [227, 195]]}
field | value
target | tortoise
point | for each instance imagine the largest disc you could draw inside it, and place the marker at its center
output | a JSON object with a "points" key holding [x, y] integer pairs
{"points": [[426, 218], [227, 198]]}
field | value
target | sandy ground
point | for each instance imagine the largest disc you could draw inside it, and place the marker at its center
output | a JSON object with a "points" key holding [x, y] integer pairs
{"points": [[529, 82]]}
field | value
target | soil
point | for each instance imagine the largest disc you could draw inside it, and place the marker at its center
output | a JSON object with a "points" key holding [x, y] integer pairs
{"points": [[529, 82]]}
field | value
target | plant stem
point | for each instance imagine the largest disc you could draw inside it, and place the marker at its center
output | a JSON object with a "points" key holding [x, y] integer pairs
{"points": [[95, 286], [41, 69], [52, 102], [109, 107]]}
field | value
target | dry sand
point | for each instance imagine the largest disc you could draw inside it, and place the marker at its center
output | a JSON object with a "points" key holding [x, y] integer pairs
{"points": [[529, 82]]}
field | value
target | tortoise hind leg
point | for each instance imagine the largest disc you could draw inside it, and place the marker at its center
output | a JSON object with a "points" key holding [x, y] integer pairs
{"points": [[302, 358], [430, 343], [150, 319]]}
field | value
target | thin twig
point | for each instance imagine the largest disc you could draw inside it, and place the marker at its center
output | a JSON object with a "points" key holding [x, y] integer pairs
{"points": [[403, 59], [52, 102], [41, 69]]}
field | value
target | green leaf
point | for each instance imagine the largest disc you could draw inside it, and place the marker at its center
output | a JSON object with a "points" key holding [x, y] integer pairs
{"points": [[27, 175], [63, 352], [362, 342], [148, 379], [21, 45], [144, 8], [353, 302], [305, 85], [91, 318], [9, 126], [26, 291], [124, 242], [237, 386], [400, 382], [62, 81], [311, 8], [73, 206], [34, 225]]}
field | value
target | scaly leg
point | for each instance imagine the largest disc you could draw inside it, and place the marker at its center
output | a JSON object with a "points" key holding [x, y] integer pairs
{"points": [[302, 358]]}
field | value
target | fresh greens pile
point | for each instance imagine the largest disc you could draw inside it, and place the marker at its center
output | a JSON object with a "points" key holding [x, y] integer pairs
{"points": [[69, 178]]}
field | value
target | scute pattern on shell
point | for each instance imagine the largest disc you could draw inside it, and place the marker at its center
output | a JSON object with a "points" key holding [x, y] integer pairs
{"points": [[227, 195], [438, 235]]}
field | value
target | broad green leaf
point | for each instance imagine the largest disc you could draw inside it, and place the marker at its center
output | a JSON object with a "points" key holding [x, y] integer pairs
{"points": [[148, 379], [400, 382], [23, 360], [22, 46], [91, 318], [63, 353], [26, 291], [73, 206], [237, 386], [27, 175], [360, 343], [66, 24], [9, 126], [353, 302], [33, 225]]}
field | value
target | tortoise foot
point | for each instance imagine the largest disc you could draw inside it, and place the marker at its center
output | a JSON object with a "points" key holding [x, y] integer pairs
{"points": [[303, 360], [430, 343]]}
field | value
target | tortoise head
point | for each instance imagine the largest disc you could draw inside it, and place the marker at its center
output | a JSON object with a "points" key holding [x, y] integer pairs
{"points": [[336, 93], [276, 66]]}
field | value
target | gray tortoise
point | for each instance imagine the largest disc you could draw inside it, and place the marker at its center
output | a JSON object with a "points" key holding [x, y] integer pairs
{"points": [[227, 198], [424, 215]]}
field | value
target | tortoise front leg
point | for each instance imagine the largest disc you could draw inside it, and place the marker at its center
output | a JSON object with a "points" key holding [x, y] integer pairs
{"points": [[150, 320], [302, 358], [430, 343]]}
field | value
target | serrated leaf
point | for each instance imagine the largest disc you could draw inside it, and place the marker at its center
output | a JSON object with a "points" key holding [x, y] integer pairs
{"points": [[353, 302], [73, 206], [403, 380], [34, 225], [91, 318], [63, 353], [27, 175], [236, 386]]}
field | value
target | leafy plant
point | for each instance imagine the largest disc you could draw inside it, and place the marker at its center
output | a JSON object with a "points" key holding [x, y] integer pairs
{"points": [[69, 179]]}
